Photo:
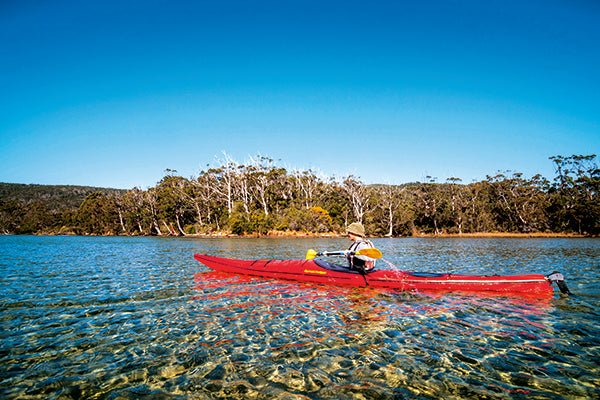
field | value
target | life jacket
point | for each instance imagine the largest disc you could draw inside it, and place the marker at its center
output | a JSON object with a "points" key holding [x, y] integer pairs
{"points": [[357, 263]]}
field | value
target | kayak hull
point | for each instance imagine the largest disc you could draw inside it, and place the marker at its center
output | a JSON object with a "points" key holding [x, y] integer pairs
{"points": [[315, 271]]}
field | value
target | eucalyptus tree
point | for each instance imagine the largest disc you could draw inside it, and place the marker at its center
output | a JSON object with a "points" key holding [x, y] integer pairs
{"points": [[332, 197], [173, 202], [120, 204], [479, 216], [226, 174], [388, 200], [98, 215], [358, 196], [520, 204], [208, 199], [151, 203], [429, 203], [280, 193], [575, 200], [258, 175], [458, 202], [135, 213], [307, 186]]}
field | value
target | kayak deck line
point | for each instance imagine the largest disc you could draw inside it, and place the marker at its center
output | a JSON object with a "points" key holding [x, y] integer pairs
{"points": [[317, 271], [478, 281]]}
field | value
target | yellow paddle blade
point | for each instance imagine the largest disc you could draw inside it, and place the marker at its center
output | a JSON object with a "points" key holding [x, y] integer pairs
{"points": [[370, 252], [311, 254]]}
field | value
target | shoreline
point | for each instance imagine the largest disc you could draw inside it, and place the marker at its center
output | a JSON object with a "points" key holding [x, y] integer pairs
{"points": [[476, 235], [334, 235], [483, 235]]}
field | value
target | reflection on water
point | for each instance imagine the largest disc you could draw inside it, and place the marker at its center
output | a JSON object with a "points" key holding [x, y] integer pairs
{"points": [[138, 317]]}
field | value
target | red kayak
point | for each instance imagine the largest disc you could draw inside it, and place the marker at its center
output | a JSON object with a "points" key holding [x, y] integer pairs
{"points": [[319, 271]]}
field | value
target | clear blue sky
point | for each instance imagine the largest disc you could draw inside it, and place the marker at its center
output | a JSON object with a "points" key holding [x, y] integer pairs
{"points": [[112, 93]]}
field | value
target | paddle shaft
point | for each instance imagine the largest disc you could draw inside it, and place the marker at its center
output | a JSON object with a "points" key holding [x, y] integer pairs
{"points": [[333, 253], [369, 252]]}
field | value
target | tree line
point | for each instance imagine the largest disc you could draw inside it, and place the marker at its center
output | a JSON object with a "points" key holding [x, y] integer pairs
{"points": [[261, 197]]}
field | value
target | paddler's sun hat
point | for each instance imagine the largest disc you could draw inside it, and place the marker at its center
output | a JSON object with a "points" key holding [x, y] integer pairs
{"points": [[356, 228]]}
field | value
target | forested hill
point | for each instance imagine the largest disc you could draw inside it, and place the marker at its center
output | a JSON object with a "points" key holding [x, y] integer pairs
{"points": [[261, 197], [52, 209], [55, 197]]}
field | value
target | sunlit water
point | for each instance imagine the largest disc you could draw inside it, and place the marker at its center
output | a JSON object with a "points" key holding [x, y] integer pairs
{"points": [[139, 317]]}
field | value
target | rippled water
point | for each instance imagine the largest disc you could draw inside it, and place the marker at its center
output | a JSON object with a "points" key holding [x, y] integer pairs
{"points": [[139, 317]]}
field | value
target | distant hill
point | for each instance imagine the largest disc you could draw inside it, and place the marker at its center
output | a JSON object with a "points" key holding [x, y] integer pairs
{"points": [[55, 197]]}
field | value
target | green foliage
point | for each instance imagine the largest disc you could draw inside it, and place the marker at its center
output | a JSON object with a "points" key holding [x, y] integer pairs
{"points": [[255, 222], [316, 219], [98, 215]]}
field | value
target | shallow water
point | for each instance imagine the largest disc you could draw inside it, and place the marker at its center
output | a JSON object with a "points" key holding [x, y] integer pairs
{"points": [[126, 318]]}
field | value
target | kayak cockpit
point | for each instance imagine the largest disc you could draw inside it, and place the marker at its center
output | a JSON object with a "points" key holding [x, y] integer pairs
{"points": [[338, 267]]}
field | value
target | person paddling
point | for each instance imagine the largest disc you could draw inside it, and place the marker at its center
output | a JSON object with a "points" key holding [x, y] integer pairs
{"points": [[356, 233]]}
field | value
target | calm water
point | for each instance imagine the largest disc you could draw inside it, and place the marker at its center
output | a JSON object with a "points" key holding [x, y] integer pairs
{"points": [[139, 317]]}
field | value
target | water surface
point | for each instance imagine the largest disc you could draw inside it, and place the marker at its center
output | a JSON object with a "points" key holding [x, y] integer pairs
{"points": [[114, 317]]}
